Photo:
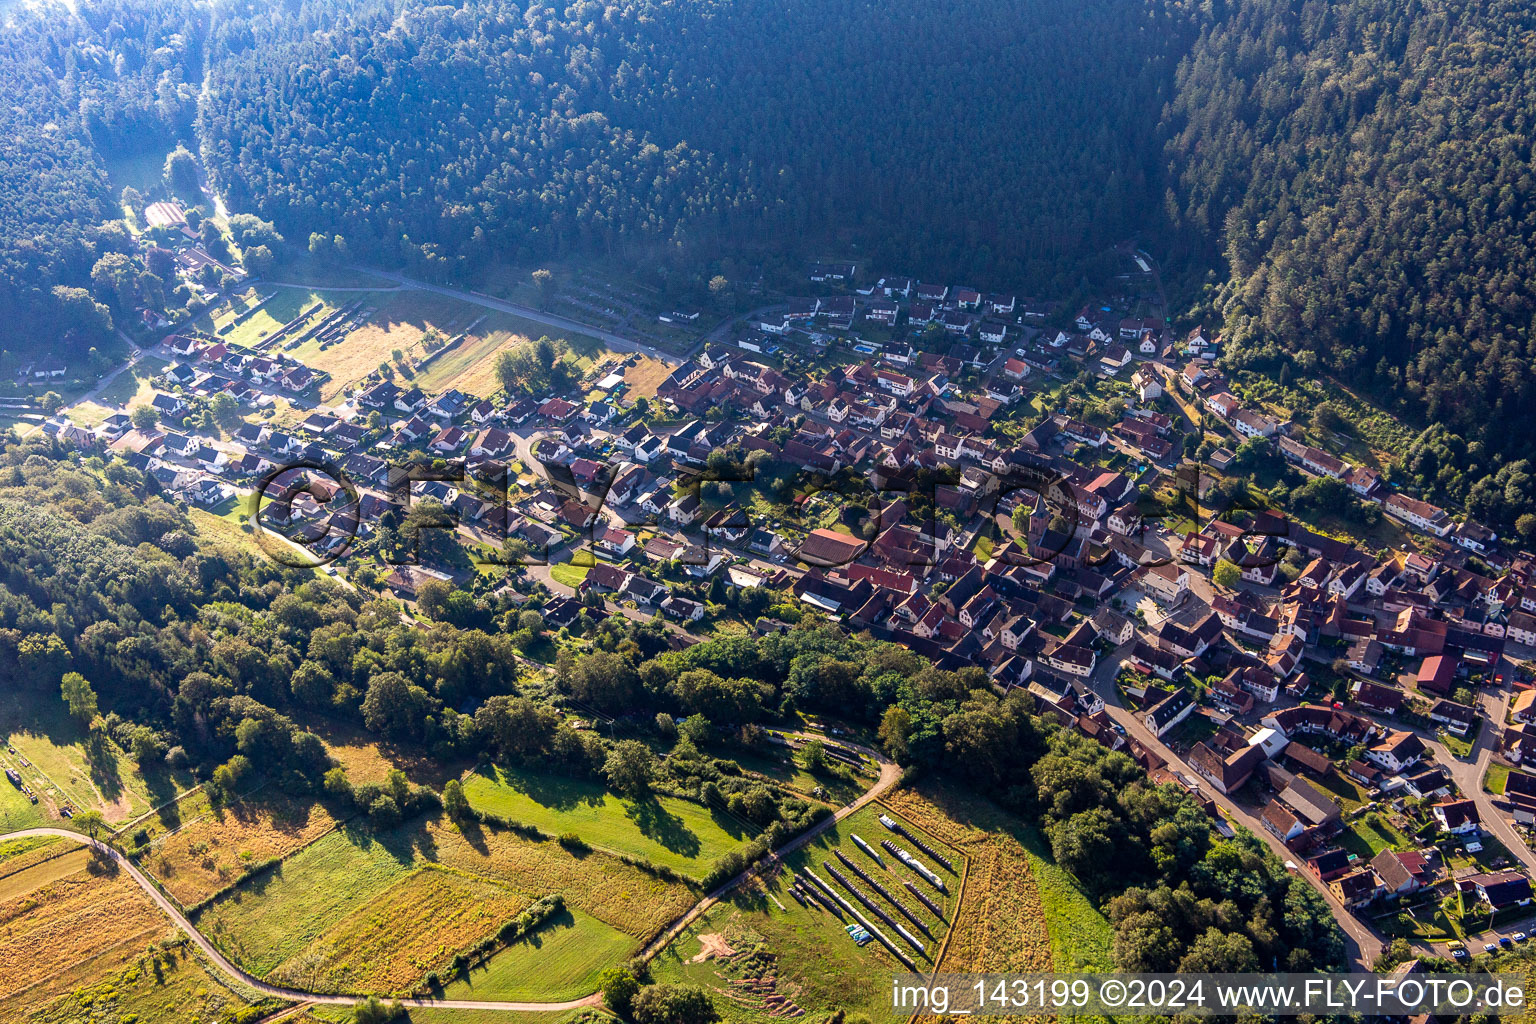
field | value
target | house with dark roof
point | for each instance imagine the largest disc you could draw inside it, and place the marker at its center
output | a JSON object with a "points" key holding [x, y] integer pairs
{"points": [[1458, 817], [1502, 889], [1397, 751], [1169, 712], [1330, 864], [1355, 889]]}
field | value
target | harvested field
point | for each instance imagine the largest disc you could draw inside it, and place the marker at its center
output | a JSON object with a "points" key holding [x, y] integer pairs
{"points": [[17, 881], [210, 851], [19, 854], [414, 926], [623, 897], [470, 366], [1021, 911], [64, 921], [645, 376], [401, 320], [271, 919]]}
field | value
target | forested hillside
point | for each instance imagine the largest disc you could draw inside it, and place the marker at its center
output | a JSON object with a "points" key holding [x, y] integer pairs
{"points": [[1364, 168], [121, 77], [966, 143]]}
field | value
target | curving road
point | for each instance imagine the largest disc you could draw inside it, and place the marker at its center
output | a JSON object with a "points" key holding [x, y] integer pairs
{"points": [[889, 775]]}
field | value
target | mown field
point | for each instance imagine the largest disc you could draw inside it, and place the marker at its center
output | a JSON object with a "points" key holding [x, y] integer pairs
{"points": [[283, 306], [66, 765], [360, 909], [561, 960], [680, 834], [390, 942], [470, 365], [209, 849], [401, 319], [170, 985]]}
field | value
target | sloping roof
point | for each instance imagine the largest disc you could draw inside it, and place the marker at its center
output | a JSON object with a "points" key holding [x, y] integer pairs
{"points": [[828, 547]]}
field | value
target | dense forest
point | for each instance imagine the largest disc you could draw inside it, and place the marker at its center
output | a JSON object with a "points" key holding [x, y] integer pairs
{"points": [[1345, 184], [189, 652], [502, 129]]}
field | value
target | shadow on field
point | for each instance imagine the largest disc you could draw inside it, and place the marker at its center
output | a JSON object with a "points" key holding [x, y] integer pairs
{"points": [[658, 823], [548, 790]]}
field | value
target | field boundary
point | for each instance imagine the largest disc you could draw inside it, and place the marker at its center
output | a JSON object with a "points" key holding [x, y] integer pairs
{"points": [[271, 863]]}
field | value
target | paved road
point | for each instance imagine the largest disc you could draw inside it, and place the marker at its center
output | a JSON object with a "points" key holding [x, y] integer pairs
{"points": [[1361, 944], [889, 774], [1468, 776]]}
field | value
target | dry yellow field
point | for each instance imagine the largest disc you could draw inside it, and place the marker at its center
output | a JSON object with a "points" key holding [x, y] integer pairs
{"points": [[21, 878], [367, 760], [209, 853], [1000, 925], [414, 926], [645, 376], [59, 924], [626, 898], [400, 322]]}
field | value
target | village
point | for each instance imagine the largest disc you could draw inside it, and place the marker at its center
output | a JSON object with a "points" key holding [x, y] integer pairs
{"points": [[993, 482]]}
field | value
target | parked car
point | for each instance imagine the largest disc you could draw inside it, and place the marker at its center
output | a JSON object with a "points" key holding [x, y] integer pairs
{"points": [[1489, 947], [1459, 953], [1505, 941], [1520, 936]]}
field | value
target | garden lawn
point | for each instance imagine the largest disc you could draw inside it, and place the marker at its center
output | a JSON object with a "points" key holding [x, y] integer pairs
{"points": [[569, 575], [677, 833], [1495, 780]]}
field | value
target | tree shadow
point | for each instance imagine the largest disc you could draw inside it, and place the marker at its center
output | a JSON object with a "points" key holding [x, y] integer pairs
{"points": [[474, 835], [101, 760], [731, 826], [406, 842], [550, 791], [658, 823], [162, 791]]}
